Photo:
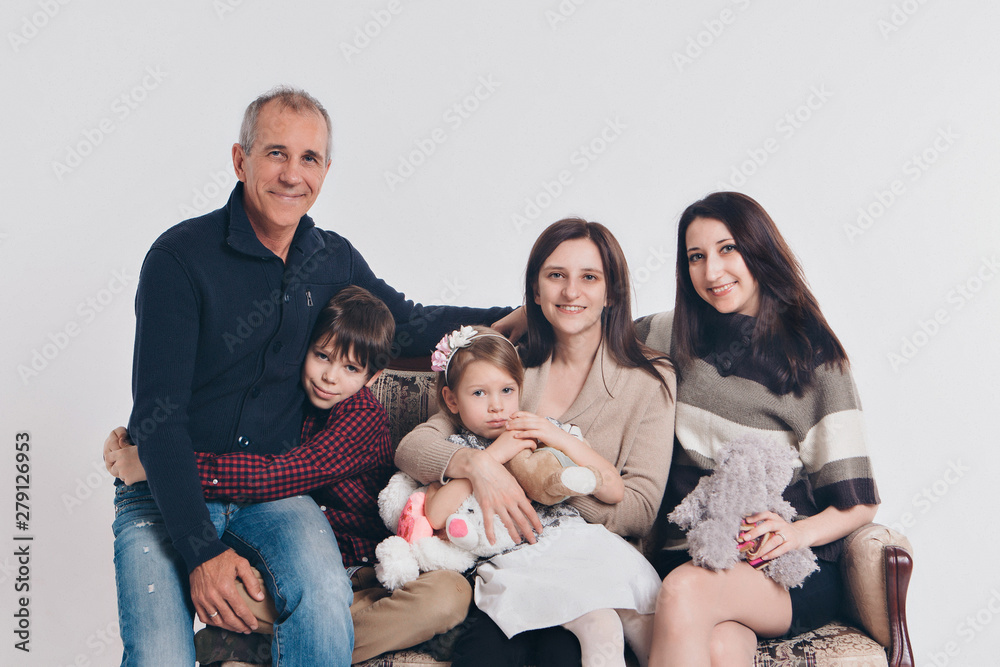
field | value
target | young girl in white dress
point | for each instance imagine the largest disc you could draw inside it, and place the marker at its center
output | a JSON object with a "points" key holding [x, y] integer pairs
{"points": [[577, 575]]}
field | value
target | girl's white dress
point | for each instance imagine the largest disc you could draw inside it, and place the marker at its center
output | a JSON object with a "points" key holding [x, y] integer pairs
{"points": [[575, 567]]}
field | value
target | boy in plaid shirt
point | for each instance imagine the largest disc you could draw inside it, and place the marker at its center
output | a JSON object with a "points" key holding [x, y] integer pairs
{"points": [[344, 460]]}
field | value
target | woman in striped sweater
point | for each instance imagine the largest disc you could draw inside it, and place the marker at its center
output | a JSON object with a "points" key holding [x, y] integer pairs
{"points": [[754, 355]]}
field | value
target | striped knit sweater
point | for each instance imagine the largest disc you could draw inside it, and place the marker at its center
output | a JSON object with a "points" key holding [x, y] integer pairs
{"points": [[723, 395]]}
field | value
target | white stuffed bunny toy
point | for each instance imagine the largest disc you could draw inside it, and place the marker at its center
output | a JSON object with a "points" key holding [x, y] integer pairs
{"points": [[401, 560]]}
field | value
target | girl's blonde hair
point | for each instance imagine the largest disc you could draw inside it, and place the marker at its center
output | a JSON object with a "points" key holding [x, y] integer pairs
{"points": [[493, 349]]}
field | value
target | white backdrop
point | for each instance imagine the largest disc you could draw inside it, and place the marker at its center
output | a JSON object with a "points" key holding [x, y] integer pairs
{"points": [[867, 129]]}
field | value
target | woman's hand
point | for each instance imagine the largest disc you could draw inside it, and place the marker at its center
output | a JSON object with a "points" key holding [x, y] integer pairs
{"points": [[829, 525], [508, 445], [498, 493], [784, 536]]}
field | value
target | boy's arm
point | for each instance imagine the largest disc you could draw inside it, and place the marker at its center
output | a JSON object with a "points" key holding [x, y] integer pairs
{"points": [[356, 442]]}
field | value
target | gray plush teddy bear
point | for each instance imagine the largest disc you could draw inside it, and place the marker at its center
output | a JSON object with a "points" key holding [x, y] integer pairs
{"points": [[749, 477]]}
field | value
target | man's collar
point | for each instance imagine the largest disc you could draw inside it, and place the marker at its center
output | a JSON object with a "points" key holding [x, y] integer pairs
{"points": [[242, 238]]}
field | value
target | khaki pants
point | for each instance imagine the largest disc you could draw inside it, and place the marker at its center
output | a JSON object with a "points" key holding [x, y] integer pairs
{"points": [[385, 620]]}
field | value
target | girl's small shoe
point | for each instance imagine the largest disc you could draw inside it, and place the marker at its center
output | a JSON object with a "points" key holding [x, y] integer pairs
{"points": [[580, 481]]}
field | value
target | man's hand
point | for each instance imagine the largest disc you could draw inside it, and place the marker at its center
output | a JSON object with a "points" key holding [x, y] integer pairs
{"points": [[213, 591], [514, 325], [499, 493]]}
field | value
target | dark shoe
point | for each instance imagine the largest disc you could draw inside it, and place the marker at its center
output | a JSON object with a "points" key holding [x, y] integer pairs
{"points": [[213, 644]]}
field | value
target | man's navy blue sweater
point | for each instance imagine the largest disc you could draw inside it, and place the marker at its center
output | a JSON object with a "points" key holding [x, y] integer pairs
{"points": [[222, 328]]}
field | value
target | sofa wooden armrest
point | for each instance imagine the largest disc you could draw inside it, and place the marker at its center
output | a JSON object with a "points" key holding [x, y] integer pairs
{"points": [[877, 565]]}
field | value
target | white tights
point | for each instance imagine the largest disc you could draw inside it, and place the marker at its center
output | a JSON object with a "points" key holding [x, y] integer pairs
{"points": [[602, 634]]}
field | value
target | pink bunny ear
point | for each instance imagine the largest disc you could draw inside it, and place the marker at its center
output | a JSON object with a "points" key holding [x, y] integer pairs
{"points": [[413, 523]]}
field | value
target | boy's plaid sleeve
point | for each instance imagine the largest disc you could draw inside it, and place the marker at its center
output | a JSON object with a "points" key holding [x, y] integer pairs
{"points": [[347, 445]]}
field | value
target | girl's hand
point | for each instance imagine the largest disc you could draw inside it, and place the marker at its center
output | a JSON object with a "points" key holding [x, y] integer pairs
{"points": [[124, 464], [508, 445], [528, 425], [784, 536]]}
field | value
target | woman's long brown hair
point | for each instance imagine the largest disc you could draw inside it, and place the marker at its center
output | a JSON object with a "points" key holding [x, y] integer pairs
{"points": [[790, 333], [617, 326]]}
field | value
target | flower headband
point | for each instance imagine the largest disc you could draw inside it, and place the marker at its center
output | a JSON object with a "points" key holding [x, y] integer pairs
{"points": [[447, 346]]}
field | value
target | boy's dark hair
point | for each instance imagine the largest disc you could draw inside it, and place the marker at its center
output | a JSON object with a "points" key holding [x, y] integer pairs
{"points": [[358, 324]]}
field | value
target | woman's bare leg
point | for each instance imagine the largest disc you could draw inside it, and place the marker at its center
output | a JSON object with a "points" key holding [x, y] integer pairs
{"points": [[732, 644], [694, 600]]}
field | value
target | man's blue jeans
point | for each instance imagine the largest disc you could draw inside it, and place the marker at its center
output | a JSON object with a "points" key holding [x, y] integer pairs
{"points": [[289, 541]]}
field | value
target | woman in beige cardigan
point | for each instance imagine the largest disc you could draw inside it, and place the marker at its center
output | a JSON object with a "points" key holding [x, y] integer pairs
{"points": [[584, 365]]}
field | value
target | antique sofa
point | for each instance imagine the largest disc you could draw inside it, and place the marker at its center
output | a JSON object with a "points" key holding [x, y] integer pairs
{"points": [[877, 564]]}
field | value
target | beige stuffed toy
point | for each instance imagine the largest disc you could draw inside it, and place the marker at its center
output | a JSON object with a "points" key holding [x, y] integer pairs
{"points": [[548, 476]]}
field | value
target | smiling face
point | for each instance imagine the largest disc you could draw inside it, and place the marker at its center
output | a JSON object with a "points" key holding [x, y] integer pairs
{"points": [[572, 290], [329, 377], [484, 398], [718, 273], [285, 169]]}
